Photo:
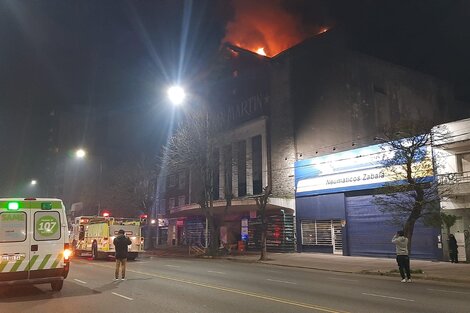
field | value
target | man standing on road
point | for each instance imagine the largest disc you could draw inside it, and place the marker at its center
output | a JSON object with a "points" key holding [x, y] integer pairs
{"points": [[121, 242], [403, 260]]}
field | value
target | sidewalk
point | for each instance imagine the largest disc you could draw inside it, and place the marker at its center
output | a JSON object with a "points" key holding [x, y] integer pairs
{"points": [[432, 270]]}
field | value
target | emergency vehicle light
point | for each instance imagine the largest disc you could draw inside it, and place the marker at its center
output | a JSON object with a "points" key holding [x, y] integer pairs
{"points": [[46, 205], [13, 206]]}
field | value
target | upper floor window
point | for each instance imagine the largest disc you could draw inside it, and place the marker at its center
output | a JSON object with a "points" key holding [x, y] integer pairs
{"points": [[463, 162], [172, 181], [181, 200], [182, 180], [171, 203]]}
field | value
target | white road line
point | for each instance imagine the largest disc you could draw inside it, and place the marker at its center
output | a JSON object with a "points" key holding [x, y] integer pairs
{"points": [[382, 296], [216, 272], [175, 266], [354, 280], [80, 281], [442, 290], [282, 281], [127, 298]]}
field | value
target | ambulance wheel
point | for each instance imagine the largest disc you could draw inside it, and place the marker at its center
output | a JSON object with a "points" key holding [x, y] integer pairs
{"points": [[57, 285], [94, 251]]}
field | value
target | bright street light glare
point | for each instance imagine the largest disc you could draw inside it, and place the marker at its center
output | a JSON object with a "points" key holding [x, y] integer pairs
{"points": [[176, 94], [80, 153], [34, 182]]}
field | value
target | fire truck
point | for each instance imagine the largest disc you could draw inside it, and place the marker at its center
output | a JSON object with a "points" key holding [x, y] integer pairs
{"points": [[95, 234]]}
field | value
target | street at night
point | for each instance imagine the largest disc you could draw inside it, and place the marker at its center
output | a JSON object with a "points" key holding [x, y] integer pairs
{"points": [[268, 156], [210, 286]]}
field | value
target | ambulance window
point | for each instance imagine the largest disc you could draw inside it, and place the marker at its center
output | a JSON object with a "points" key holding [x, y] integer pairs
{"points": [[47, 225], [12, 226]]}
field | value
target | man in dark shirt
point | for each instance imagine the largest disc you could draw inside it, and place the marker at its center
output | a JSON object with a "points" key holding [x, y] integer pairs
{"points": [[120, 246]]}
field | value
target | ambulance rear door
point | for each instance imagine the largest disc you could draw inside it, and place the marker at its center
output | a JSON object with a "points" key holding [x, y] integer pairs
{"points": [[14, 240], [49, 233]]}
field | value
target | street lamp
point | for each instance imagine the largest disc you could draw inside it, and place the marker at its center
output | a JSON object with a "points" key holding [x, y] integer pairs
{"points": [[80, 153], [176, 94], [33, 182]]}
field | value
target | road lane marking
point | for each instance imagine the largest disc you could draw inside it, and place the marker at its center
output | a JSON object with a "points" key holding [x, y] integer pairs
{"points": [[282, 281], [80, 281], [216, 272], [127, 298], [389, 297], [237, 291], [175, 266], [442, 290], [353, 280]]}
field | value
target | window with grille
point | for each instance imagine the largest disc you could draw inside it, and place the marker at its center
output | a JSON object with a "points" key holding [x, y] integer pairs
{"points": [[316, 232]]}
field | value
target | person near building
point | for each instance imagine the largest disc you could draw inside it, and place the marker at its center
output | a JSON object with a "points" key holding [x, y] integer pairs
{"points": [[453, 249], [121, 243], [403, 260]]}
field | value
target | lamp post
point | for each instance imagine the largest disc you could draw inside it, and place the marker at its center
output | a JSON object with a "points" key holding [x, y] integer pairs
{"points": [[177, 96], [81, 153]]}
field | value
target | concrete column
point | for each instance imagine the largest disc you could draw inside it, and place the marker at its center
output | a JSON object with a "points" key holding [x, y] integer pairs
{"points": [[235, 169], [249, 167], [264, 160], [221, 173]]}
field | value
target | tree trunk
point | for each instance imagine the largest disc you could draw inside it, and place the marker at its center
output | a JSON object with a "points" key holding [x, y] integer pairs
{"points": [[415, 214], [264, 231], [264, 251], [214, 236], [409, 228]]}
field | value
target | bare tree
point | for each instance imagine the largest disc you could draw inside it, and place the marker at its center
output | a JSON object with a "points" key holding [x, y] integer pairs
{"points": [[412, 192], [126, 190], [191, 147], [261, 202]]}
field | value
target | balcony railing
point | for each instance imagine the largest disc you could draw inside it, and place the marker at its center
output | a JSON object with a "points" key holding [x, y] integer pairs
{"points": [[453, 178]]}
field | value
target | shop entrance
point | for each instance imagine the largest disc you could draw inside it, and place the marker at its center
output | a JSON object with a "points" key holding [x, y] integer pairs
{"points": [[323, 234]]}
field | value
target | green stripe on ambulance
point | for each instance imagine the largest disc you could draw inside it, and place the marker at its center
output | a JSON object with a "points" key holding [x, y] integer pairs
{"points": [[32, 264]]}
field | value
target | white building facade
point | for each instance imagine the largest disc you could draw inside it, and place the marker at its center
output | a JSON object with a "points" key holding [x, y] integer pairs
{"points": [[452, 155]]}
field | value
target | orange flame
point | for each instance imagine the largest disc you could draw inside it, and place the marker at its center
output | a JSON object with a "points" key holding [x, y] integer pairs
{"points": [[261, 51], [264, 23]]}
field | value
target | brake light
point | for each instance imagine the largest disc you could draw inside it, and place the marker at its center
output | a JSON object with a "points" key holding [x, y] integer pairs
{"points": [[67, 252]]}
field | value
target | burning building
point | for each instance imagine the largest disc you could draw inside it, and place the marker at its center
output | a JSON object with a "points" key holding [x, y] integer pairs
{"points": [[312, 100]]}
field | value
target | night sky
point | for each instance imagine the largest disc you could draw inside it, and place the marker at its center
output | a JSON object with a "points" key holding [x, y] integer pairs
{"points": [[118, 57]]}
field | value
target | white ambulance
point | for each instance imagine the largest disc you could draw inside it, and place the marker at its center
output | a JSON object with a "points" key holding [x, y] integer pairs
{"points": [[34, 246]]}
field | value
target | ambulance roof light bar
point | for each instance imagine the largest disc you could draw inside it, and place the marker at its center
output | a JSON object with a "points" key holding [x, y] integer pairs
{"points": [[13, 206]]}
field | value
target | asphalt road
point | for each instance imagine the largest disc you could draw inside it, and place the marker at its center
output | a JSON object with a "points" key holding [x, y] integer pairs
{"points": [[205, 285]]}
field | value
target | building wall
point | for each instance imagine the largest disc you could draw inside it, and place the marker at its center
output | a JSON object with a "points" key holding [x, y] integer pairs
{"points": [[342, 98], [452, 140], [282, 152]]}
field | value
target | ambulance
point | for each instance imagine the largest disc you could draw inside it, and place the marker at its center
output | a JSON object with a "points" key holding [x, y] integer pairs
{"points": [[34, 246], [95, 234]]}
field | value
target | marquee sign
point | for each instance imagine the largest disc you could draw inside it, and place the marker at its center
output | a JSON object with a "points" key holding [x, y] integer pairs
{"points": [[356, 169]]}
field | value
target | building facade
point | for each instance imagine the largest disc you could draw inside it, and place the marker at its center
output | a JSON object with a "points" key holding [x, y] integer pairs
{"points": [[314, 100], [452, 153]]}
